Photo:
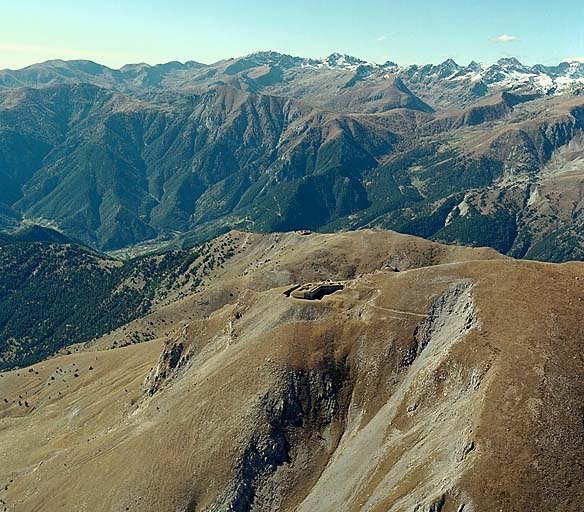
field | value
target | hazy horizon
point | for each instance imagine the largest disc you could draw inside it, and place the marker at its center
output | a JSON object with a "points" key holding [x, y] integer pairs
{"points": [[209, 63], [406, 32]]}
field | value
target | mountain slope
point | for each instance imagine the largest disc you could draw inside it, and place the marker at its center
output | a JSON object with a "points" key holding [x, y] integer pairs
{"points": [[55, 293], [271, 142], [444, 85], [117, 170], [453, 384]]}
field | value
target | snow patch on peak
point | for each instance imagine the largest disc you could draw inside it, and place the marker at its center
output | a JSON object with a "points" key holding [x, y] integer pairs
{"points": [[340, 61], [507, 73]]}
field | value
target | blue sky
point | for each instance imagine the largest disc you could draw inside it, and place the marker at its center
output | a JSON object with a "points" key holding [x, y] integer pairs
{"points": [[115, 32]]}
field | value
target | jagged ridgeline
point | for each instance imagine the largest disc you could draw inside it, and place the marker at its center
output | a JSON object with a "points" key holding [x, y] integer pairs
{"points": [[54, 293], [478, 155]]}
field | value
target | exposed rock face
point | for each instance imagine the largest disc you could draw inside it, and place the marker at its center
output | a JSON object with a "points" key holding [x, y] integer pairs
{"points": [[167, 367], [298, 415], [175, 355], [451, 318]]}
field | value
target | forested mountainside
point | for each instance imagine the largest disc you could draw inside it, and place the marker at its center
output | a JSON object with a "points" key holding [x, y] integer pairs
{"points": [[478, 155], [54, 293]]}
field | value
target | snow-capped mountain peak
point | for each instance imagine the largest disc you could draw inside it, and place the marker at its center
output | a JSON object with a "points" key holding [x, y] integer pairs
{"points": [[340, 61], [507, 73]]}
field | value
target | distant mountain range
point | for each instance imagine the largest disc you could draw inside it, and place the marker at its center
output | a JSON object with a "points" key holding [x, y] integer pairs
{"points": [[176, 153], [504, 74]]}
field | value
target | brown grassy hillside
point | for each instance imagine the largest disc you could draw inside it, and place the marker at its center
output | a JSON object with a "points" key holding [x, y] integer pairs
{"points": [[453, 384]]}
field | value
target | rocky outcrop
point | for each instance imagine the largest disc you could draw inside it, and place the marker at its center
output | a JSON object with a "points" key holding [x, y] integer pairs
{"points": [[409, 416], [174, 356], [297, 416], [451, 317]]}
